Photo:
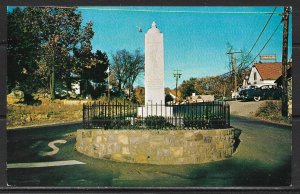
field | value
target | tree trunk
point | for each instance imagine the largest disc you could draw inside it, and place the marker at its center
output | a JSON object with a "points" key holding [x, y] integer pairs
{"points": [[52, 83], [119, 87], [131, 95]]}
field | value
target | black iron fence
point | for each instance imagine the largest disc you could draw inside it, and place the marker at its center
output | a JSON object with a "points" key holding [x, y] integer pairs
{"points": [[116, 115]]}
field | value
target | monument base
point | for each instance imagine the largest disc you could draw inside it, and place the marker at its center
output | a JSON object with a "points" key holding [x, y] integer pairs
{"points": [[160, 110]]}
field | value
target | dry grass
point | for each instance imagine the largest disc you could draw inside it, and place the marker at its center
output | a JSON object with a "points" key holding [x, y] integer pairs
{"points": [[46, 113], [271, 110]]}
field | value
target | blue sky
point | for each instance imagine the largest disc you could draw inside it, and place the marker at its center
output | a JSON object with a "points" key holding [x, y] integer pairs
{"points": [[195, 38], [193, 42]]}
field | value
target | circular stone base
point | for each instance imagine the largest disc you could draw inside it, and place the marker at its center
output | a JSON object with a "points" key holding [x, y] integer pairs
{"points": [[157, 146]]}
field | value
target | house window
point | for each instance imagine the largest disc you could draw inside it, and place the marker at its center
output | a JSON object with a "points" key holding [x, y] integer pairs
{"points": [[255, 76]]}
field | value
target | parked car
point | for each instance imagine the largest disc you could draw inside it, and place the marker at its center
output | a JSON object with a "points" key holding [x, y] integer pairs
{"points": [[262, 92]]}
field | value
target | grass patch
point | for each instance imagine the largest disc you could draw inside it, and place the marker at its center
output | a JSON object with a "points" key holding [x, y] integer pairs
{"points": [[271, 110]]}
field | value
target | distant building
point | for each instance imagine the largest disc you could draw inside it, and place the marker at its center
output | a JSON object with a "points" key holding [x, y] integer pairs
{"points": [[200, 98], [265, 73], [173, 97]]}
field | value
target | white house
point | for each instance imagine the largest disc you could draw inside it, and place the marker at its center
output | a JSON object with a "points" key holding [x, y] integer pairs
{"points": [[173, 96], [200, 98], [265, 73]]}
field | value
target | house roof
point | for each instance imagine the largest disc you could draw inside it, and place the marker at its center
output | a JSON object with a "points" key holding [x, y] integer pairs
{"points": [[269, 71]]}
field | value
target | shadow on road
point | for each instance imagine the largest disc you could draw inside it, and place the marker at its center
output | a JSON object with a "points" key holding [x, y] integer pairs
{"points": [[237, 141], [243, 173]]}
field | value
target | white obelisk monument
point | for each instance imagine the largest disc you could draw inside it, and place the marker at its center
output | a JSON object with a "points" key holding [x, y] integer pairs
{"points": [[154, 75], [154, 66]]}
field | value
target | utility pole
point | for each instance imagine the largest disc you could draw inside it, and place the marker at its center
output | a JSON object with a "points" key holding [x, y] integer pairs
{"points": [[285, 19], [233, 62], [177, 75]]}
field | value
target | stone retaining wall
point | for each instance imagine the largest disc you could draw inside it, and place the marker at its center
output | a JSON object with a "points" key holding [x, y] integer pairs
{"points": [[157, 146]]}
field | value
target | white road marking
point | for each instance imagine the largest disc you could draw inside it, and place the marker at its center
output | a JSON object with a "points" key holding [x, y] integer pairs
{"points": [[44, 164], [55, 149]]}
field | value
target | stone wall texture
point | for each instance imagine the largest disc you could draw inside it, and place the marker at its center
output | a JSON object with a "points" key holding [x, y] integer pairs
{"points": [[157, 146]]}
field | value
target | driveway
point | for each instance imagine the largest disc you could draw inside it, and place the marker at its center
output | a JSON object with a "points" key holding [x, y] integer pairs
{"points": [[263, 158]]}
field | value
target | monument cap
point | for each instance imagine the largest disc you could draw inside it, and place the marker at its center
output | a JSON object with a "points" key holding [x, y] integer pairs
{"points": [[154, 24], [153, 28]]}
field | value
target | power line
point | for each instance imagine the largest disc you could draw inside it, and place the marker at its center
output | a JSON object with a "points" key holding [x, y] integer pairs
{"points": [[160, 11], [257, 39], [266, 43], [259, 51], [170, 11]]}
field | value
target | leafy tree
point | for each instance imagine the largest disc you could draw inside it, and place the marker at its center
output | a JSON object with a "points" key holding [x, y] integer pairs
{"points": [[23, 44], [84, 58], [43, 47], [62, 36], [211, 85], [95, 74], [187, 87]]}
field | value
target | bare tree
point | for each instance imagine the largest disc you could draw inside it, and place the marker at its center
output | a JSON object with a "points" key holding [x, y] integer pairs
{"points": [[126, 68], [243, 65]]}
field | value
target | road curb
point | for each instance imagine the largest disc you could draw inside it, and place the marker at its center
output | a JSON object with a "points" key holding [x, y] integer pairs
{"points": [[43, 126], [264, 121]]}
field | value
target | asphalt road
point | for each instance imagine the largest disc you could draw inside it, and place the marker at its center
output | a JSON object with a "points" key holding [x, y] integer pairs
{"points": [[263, 158]]}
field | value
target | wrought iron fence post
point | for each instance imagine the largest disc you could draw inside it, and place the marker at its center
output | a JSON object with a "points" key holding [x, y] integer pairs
{"points": [[83, 117], [228, 115]]}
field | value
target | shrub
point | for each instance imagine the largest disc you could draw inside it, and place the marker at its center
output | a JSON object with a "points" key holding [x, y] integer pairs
{"points": [[194, 122], [110, 122], [271, 110], [118, 123], [138, 122], [155, 122], [210, 122]]}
